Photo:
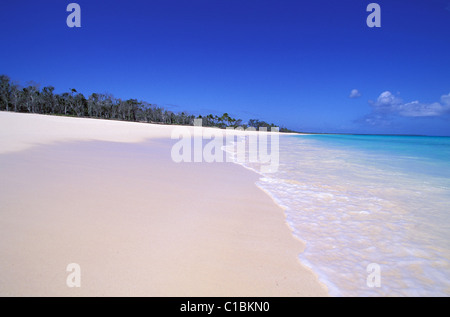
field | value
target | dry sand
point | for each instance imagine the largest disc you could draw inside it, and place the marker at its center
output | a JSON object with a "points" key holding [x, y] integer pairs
{"points": [[137, 223]]}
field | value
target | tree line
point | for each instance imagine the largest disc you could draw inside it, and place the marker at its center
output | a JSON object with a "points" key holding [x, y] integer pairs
{"points": [[32, 99]]}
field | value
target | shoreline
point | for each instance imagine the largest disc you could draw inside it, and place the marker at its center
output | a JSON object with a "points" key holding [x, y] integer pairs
{"points": [[127, 201], [68, 129]]}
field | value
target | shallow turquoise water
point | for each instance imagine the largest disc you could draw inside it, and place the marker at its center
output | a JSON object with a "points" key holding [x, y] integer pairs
{"points": [[357, 200], [425, 154]]}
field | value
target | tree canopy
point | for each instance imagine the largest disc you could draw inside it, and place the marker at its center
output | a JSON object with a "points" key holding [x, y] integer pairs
{"points": [[32, 99]]}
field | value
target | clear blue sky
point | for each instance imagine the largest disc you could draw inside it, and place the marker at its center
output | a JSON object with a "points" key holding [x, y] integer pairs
{"points": [[294, 62]]}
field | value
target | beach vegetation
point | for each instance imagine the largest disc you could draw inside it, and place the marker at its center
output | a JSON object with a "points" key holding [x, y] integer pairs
{"points": [[30, 98]]}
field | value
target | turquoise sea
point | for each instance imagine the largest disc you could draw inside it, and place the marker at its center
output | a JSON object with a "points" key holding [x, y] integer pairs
{"points": [[361, 199]]}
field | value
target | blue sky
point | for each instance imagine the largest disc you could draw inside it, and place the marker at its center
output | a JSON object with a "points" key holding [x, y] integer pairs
{"points": [[294, 62]]}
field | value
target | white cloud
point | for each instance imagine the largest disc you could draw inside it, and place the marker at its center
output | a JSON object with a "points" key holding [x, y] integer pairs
{"points": [[388, 104], [355, 93], [387, 101], [445, 100], [417, 109]]}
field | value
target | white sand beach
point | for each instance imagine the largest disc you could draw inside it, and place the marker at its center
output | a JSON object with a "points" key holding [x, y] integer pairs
{"points": [[107, 196]]}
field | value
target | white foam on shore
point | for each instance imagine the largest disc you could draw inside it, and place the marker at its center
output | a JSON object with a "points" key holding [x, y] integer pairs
{"points": [[351, 212]]}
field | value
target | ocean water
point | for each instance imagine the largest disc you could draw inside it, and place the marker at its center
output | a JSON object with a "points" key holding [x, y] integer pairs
{"points": [[357, 200]]}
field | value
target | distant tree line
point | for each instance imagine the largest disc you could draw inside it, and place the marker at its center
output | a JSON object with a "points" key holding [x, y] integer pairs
{"points": [[32, 99]]}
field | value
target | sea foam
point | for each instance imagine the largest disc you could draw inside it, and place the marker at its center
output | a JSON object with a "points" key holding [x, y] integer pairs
{"points": [[357, 200]]}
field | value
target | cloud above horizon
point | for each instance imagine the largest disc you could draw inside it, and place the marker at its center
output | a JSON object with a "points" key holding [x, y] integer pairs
{"points": [[354, 94], [388, 105]]}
